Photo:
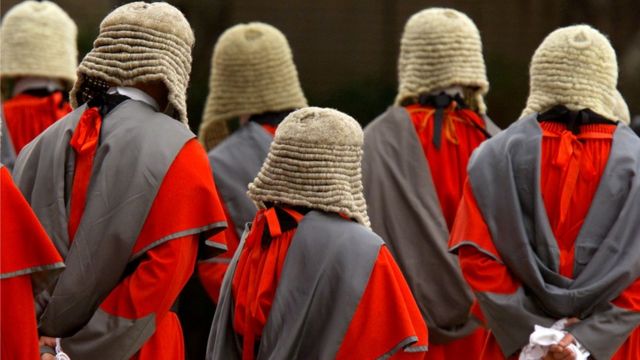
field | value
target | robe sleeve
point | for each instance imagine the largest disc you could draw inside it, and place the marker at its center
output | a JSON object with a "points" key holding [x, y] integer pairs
{"points": [[503, 304], [211, 270], [155, 284], [157, 280], [604, 332], [481, 264], [189, 199], [387, 321], [630, 298]]}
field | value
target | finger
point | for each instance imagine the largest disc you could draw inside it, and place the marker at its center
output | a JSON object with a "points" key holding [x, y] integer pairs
{"points": [[568, 354], [566, 340], [48, 357], [48, 341], [555, 348]]}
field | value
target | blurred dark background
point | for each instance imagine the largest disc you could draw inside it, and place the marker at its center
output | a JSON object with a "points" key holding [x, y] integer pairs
{"points": [[346, 50]]}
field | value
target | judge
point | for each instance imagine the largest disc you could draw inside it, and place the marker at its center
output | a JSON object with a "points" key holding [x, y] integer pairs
{"points": [[415, 157], [547, 231], [310, 280], [253, 86], [124, 190], [38, 66]]}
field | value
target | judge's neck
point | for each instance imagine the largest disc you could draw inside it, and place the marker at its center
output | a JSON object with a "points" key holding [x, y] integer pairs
{"points": [[137, 94]]}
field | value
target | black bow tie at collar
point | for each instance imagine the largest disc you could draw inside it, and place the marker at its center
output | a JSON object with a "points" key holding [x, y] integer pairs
{"points": [[440, 102], [106, 102], [287, 222], [573, 119]]}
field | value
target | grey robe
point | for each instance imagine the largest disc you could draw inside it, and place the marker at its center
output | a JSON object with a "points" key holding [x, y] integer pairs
{"points": [[7, 152], [235, 163], [405, 211]]}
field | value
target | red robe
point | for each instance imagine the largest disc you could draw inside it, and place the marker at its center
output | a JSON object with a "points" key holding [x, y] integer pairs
{"points": [[448, 166], [187, 196], [571, 169], [26, 116], [386, 314], [375, 327], [24, 249]]}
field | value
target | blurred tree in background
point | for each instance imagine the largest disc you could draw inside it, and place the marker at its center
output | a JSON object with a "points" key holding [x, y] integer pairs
{"points": [[346, 50]]}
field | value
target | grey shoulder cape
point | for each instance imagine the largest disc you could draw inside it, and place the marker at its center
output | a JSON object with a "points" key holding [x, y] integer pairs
{"points": [[325, 273], [405, 211], [504, 175], [235, 163], [137, 146]]}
